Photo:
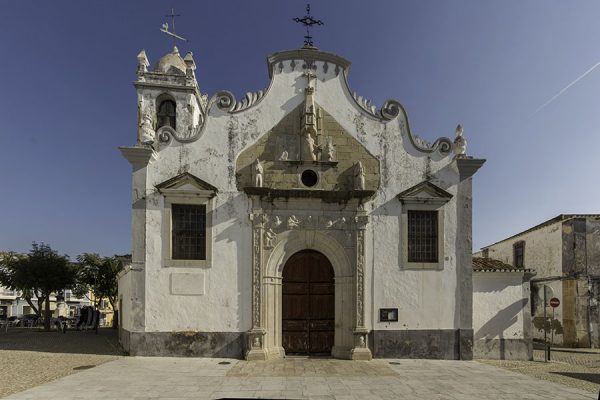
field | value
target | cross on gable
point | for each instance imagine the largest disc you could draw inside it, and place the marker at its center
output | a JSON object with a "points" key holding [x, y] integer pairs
{"points": [[308, 21]]}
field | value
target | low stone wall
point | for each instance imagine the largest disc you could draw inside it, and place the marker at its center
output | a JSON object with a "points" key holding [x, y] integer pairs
{"points": [[184, 344], [442, 344], [503, 349]]}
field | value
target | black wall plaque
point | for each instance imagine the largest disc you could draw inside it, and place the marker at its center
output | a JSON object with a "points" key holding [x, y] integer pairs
{"points": [[388, 315]]}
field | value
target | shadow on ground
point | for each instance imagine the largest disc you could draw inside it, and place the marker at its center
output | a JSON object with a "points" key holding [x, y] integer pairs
{"points": [[594, 378], [72, 342]]}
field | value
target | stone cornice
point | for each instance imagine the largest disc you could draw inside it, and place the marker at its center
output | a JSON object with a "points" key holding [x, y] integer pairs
{"points": [[325, 195], [138, 156], [308, 55], [165, 85], [467, 166]]}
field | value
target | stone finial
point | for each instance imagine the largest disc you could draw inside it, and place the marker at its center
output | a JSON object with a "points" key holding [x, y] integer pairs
{"points": [[190, 75], [142, 64], [189, 60], [460, 143]]}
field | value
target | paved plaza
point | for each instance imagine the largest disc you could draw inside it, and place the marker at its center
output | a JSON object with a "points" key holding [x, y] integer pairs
{"points": [[297, 378]]}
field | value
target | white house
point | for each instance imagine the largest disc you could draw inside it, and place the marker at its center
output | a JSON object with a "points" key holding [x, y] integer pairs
{"points": [[298, 220], [501, 310]]}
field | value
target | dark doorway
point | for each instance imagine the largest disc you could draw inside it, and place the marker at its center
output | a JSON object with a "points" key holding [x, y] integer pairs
{"points": [[308, 312]]}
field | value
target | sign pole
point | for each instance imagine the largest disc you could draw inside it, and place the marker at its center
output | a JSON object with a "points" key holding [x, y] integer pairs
{"points": [[554, 302], [552, 330], [545, 329]]}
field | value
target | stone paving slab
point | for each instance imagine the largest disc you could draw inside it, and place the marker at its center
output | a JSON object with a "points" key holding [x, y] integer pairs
{"points": [[203, 378]]}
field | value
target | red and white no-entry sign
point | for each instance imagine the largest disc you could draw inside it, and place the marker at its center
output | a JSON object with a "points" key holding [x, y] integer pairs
{"points": [[554, 302]]}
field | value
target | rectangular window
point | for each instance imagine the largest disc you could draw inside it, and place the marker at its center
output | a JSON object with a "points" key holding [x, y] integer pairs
{"points": [[485, 253], [519, 254], [188, 232], [422, 236]]}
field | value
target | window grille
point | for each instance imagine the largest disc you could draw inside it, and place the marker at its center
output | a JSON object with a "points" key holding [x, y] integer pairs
{"points": [[422, 236], [188, 232], [167, 111]]}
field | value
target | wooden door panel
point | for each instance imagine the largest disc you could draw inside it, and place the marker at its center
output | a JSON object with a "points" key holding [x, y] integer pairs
{"points": [[321, 307], [321, 288], [296, 342], [295, 288], [308, 307], [296, 306], [321, 342], [321, 325], [295, 325]]}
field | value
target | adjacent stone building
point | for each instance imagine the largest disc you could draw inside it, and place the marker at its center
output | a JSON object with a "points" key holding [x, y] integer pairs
{"points": [[298, 220], [565, 253]]}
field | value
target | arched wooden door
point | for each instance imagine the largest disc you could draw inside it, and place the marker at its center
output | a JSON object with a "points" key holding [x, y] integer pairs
{"points": [[308, 309]]}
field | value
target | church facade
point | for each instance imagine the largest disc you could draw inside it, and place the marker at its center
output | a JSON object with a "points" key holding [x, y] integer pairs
{"points": [[298, 220]]}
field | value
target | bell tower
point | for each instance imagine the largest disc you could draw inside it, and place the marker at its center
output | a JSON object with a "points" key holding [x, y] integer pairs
{"points": [[170, 104]]}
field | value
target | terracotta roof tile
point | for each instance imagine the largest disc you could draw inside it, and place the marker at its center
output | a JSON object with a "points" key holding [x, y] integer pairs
{"points": [[484, 264]]}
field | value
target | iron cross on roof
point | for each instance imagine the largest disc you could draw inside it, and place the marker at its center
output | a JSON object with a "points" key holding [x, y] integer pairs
{"points": [[165, 27], [308, 21]]}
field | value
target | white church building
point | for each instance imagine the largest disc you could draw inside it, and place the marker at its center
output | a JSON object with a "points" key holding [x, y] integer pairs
{"points": [[300, 219]]}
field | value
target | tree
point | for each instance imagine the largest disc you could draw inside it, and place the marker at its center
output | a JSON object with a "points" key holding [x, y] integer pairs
{"points": [[38, 274], [12, 278], [100, 276]]}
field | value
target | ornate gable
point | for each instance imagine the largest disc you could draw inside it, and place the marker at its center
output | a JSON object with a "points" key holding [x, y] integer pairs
{"points": [[187, 183], [425, 193], [330, 162]]}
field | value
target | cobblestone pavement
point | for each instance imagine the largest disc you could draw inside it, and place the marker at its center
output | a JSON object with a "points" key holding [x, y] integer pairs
{"points": [[204, 378], [30, 357], [573, 357], [576, 369]]}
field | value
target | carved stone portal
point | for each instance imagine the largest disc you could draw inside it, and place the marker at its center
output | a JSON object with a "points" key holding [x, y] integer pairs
{"points": [[274, 242]]}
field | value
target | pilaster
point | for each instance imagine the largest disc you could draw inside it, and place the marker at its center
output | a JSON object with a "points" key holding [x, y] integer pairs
{"points": [[256, 349], [361, 350], [139, 157]]}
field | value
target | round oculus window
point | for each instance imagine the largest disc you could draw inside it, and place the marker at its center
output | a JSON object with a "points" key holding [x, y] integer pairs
{"points": [[309, 178]]}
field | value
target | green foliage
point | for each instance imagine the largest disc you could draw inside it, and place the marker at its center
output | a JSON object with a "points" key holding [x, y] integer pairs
{"points": [[45, 269], [39, 273], [99, 275], [8, 269]]}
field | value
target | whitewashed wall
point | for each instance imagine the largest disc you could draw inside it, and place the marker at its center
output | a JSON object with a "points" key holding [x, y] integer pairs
{"points": [[501, 316]]}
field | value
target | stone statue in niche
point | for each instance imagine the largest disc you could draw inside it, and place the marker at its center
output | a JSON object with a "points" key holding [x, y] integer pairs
{"points": [[147, 135], [329, 153], [270, 237], [258, 174], [307, 149], [359, 176], [256, 343], [309, 223], [460, 143]]}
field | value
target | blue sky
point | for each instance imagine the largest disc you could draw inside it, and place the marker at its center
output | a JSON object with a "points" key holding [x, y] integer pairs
{"points": [[68, 102]]}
